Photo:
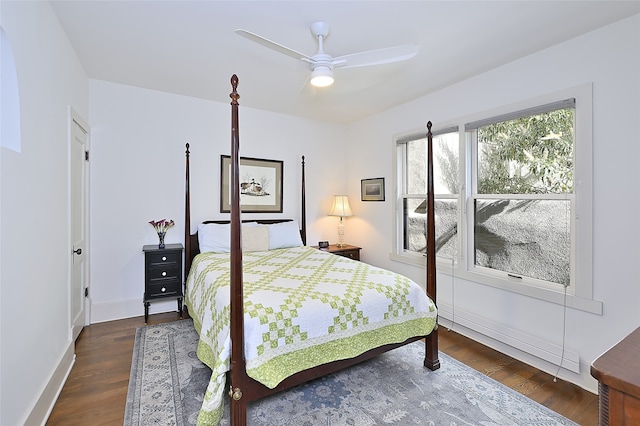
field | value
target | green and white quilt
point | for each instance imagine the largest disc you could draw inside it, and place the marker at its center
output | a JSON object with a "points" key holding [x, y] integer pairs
{"points": [[303, 307]]}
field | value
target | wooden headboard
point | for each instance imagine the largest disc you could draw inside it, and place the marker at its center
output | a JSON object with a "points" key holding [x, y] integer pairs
{"points": [[191, 240]]}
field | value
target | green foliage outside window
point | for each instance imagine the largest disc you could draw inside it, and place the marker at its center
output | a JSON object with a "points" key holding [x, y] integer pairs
{"points": [[529, 155]]}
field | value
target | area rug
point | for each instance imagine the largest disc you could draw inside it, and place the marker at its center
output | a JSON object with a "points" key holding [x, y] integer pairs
{"points": [[167, 383]]}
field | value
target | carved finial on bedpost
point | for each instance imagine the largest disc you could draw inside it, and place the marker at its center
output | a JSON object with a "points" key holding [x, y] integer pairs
{"points": [[429, 126], [234, 94]]}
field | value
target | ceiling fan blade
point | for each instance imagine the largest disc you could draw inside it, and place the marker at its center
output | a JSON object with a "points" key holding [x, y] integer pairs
{"points": [[385, 55], [273, 45]]}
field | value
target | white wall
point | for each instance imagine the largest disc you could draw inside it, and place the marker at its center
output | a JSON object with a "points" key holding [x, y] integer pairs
{"points": [[608, 58], [137, 175], [36, 350]]}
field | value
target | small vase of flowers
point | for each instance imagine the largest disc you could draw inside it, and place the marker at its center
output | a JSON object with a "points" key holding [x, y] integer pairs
{"points": [[161, 226]]}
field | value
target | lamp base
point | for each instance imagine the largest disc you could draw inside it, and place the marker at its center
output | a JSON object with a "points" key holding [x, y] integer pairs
{"points": [[341, 243]]}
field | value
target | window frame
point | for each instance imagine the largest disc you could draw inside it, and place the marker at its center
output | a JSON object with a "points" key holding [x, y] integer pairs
{"points": [[579, 295], [471, 133], [399, 253]]}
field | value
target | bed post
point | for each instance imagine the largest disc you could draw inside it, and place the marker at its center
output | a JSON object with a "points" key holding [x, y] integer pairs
{"points": [[431, 360], [187, 220], [303, 222], [238, 365]]}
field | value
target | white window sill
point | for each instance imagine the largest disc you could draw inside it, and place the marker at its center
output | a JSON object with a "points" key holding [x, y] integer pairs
{"points": [[549, 295]]}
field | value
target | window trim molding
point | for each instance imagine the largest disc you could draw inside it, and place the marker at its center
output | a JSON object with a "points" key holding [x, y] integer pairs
{"points": [[580, 296], [534, 110]]}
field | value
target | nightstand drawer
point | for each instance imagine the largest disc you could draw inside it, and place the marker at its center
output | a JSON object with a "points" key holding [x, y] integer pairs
{"points": [[167, 258], [162, 272], [163, 288], [351, 254]]}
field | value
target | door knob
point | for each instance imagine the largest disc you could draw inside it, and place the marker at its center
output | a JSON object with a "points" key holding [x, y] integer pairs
{"points": [[78, 251]]}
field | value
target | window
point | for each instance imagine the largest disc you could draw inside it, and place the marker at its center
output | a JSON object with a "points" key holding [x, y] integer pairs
{"points": [[522, 193], [446, 183], [509, 189]]}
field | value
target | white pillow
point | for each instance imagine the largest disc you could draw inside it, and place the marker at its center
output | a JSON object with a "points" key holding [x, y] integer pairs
{"points": [[216, 237], [284, 234], [255, 238]]}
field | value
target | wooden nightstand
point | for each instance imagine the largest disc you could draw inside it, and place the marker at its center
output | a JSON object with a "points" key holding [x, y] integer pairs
{"points": [[618, 375], [162, 275], [352, 252]]}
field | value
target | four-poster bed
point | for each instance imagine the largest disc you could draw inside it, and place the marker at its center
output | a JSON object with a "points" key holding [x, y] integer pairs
{"points": [[276, 313]]}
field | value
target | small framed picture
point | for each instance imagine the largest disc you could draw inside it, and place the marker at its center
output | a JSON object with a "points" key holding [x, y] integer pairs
{"points": [[372, 189]]}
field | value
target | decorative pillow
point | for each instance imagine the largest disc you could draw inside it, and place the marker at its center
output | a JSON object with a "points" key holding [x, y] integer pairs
{"points": [[216, 237], [255, 238], [284, 234]]}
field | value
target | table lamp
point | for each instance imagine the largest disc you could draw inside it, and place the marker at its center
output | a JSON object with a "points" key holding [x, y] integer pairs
{"points": [[340, 208]]}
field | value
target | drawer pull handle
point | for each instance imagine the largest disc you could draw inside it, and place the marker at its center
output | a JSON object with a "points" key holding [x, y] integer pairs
{"points": [[163, 289], [164, 258], [164, 274]]}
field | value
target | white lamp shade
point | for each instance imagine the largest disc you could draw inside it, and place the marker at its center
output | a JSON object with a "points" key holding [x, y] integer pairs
{"points": [[322, 76], [340, 206]]}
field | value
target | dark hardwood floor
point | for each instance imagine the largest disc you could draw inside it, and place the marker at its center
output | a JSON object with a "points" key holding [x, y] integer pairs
{"points": [[96, 390], [563, 397]]}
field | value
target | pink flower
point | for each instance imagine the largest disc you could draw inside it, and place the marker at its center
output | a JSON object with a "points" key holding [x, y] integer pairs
{"points": [[162, 225]]}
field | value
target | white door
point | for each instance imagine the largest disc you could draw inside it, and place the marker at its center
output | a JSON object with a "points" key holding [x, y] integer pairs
{"points": [[79, 138]]}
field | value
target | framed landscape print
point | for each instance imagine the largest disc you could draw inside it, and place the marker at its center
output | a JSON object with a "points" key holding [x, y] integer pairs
{"points": [[260, 185], [372, 189]]}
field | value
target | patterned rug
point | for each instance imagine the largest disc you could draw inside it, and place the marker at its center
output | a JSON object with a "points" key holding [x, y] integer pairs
{"points": [[167, 383]]}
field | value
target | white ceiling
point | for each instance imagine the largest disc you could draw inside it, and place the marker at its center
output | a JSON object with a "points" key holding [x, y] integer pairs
{"points": [[190, 47]]}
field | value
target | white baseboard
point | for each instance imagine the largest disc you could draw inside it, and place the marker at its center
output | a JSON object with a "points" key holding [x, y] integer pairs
{"points": [[110, 311], [539, 353], [45, 403]]}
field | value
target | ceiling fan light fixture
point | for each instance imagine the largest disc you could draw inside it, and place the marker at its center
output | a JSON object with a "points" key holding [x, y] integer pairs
{"points": [[322, 76], [322, 64]]}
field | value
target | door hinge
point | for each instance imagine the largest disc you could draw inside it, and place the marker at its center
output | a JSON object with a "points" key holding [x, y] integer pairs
{"points": [[86, 156], [86, 292]]}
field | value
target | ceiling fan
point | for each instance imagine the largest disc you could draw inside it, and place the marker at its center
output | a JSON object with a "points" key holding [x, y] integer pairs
{"points": [[323, 64]]}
